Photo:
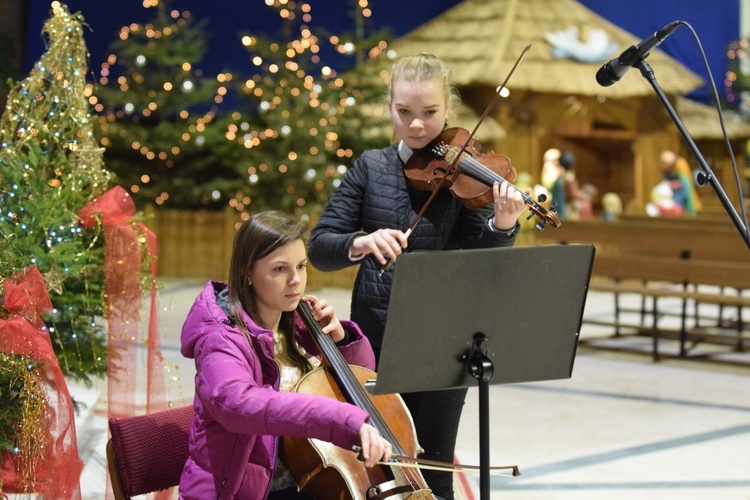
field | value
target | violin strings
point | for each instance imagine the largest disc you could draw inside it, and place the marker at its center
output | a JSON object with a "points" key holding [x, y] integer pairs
{"points": [[479, 171]]}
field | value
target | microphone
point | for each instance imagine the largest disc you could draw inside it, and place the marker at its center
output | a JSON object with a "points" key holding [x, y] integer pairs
{"points": [[614, 69]]}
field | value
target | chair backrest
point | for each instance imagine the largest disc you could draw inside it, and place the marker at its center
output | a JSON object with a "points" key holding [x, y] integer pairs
{"points": [[147, 452]]}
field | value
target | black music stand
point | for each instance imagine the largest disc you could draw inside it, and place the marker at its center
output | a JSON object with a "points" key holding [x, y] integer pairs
{"points": [[478, 317]]}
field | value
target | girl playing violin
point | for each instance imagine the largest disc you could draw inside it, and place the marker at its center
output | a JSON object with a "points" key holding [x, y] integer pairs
{"points": [[376, 203], [250, 349]]}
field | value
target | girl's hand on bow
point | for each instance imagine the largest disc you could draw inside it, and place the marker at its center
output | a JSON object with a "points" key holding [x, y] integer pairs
{"points": [[375, 449], [508, 205], [381, 243], [324, 314]]}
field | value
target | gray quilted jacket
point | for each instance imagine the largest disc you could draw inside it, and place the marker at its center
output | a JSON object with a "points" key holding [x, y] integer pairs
{"points": [[376, 194]]}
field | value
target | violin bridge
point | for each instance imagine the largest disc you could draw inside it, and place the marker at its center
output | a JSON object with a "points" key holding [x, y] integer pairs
{"points": [[450, 154]]}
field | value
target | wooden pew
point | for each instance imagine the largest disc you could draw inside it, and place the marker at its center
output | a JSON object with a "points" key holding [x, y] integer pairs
{"points": [[657, 258], [654, 237], [658, 277]]}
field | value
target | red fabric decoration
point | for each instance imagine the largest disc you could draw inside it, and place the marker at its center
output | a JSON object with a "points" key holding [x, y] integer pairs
{"points": [[123, 240], [59, 468], [25, 294]]}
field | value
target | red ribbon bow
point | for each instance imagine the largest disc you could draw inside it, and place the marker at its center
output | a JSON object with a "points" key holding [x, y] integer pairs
{"points": [[58, 466]]}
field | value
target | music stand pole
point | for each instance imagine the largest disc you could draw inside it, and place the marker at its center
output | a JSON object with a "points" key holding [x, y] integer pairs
{"points": [[481, 368]]}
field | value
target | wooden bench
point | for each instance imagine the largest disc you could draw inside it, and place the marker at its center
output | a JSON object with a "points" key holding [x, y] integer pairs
{"points": [[656, 258], [660, 277], [678, 238]]}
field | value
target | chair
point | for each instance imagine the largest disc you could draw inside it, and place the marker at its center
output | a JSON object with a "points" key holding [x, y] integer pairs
{"points": [[146, 453]]}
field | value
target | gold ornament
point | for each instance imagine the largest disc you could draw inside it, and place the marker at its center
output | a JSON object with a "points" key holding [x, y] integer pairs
{"points": [[30, 404], [54, 280]]}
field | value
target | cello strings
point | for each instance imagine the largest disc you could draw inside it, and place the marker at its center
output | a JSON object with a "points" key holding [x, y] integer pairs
{"points": [[344, 375], [361, 399], [351, 386]]}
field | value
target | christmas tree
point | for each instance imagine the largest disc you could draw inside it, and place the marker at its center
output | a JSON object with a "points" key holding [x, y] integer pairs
{"points": [[737, 82], [159, 115], [290, 128], [50, 167], [365, 123]]}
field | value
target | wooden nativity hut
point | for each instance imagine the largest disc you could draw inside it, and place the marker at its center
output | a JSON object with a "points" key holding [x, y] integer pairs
{"points": [[615, 132]]}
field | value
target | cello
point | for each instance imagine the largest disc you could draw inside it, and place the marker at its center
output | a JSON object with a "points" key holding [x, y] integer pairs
{"points": [[325, 470]]}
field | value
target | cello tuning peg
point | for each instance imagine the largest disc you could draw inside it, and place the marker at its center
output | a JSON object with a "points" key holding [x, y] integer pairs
{"points": [[540, 225], [542, 198]]}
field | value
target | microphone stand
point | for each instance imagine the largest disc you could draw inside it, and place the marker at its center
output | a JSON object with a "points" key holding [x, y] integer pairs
{"points": [[707, 174]]}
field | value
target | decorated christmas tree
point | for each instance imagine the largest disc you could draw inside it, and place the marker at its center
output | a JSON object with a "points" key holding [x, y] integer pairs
{"points": [[159, 115], [52, 268], [365, 124], [171, 140], [290, 126], [51, 167]]}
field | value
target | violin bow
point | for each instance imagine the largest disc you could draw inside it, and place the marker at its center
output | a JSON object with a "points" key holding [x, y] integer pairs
{"points": [[496, 96], [481, 118], [487, 110]]}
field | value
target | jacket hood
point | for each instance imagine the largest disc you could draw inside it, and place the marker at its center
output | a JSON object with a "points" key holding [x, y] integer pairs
{"points": [[205, 316]]}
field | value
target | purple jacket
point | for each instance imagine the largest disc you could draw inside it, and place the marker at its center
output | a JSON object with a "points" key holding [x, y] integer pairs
{"points": [[239, 411]]}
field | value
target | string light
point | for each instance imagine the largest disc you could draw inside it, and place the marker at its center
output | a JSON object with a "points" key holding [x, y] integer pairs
{"points": [[736, 77], [289, 81], [142, 98]]}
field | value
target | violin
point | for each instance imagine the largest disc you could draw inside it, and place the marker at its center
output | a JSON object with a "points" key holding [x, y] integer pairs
{"points": [[326, 471], [455, 160]]}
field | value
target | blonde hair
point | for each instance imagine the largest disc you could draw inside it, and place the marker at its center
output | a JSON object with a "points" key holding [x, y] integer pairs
{"points": [[425, 68]]}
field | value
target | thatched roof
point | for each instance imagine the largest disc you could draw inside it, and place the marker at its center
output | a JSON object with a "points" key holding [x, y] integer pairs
{"points": [[490, 130], [481, 40], [703, 121]]}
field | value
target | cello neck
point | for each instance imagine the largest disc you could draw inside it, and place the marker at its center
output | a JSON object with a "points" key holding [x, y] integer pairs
{"points": [[347, 381]]}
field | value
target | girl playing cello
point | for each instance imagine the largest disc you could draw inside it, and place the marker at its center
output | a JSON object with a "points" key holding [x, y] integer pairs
{"points": [[249, 350]]}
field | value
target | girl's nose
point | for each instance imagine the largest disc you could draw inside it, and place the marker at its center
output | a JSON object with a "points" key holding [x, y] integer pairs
{"points": [[296, 278]]}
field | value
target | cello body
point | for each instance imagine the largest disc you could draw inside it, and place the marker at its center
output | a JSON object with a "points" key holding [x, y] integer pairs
{"points": [[326, 471]]}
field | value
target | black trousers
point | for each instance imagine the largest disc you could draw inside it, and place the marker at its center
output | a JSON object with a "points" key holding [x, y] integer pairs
{"points": [[436, 417]]}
